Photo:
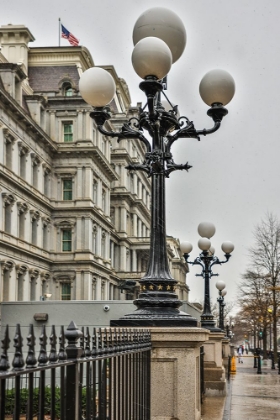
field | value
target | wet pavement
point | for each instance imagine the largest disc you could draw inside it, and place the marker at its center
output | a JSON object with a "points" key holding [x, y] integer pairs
{"points": [[250, 396]]}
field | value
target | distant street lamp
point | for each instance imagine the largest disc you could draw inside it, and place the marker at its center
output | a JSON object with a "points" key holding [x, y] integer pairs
{"points": [[206, 260], [229, 330], [159, 36], [222, 292]]}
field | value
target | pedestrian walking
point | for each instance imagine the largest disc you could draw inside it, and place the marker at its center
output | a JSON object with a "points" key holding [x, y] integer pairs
{"points": [[240, 353]]}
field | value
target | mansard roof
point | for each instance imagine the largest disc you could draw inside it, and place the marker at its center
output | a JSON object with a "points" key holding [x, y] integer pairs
{"points": [[48, 78]]}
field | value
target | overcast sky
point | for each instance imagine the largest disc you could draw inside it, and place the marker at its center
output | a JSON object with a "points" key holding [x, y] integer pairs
{"points": [[235, 176]]}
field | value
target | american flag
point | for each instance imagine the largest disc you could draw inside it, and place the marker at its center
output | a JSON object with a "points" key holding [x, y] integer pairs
{"points": [[67, 35]]}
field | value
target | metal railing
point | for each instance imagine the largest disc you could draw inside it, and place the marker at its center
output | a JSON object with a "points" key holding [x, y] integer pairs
{"points": [[202, 383], [105, 376]]}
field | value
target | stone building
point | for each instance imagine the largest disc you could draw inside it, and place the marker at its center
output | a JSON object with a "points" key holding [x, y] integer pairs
{"points": [[74, 223]]}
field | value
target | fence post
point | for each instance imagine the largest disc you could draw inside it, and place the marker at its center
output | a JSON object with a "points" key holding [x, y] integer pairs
{"points": [[272, 361], [72, 335]]}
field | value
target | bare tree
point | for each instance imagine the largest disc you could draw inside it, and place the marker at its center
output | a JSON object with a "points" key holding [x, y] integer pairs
{"points": [[260, 289]]}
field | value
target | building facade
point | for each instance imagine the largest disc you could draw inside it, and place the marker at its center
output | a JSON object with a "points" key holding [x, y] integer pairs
{"points": [[74, 223]]}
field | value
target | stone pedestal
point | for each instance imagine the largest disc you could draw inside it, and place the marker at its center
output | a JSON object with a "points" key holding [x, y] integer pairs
{"points": [[214, 372], [225, 348], [175, 373]]}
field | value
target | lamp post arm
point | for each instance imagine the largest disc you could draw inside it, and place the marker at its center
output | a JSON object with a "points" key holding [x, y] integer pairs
{"points": [[216, 112], [197, 261], [101, 115]]}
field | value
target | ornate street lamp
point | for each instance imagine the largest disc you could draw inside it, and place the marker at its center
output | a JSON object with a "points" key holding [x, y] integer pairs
{"points": [[159, 37], [207, 260], [222, 292]]}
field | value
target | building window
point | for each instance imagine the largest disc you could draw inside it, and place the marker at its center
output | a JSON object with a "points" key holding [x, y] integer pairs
{"points": [[94, 192], [35, 174], [8, 200], [68, 91], [65, 291], [34, 232], [66, 240], [21, 220], [9, 149], [22, 164], [67, 189], [68, 132], [103, 245], [103, 200], [8, 217], [94, 236]]}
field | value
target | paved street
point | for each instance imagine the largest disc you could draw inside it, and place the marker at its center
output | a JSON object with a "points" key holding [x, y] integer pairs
{"points": [[251, 396]]}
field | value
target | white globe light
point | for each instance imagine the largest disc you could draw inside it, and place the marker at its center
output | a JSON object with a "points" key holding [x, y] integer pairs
{"points": [[227, 247], [212, 250], [220, 284], [204, 244], [206, 229], [164, 24], [223, 292], [97, 87], [151, 57], [186, 247], [217, 86]]}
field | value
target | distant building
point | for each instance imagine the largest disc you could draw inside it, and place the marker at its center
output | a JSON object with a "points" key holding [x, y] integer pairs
{"points": [[74, 223]]}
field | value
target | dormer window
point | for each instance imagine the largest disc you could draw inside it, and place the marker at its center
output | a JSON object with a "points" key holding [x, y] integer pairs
{"points": [[68, 91]]}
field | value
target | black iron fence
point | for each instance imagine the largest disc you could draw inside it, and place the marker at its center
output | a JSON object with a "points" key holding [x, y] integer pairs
{"points": [[104, 376], [202, 383]]}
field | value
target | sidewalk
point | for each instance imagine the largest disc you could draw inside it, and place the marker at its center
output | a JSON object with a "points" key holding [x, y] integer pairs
{"points": [[250, 396]]}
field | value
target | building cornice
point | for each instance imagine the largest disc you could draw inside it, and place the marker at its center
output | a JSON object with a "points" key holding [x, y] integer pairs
{"points": [[86, 148], [60, 56]]}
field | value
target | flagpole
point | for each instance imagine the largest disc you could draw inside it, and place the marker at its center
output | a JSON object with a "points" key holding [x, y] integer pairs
{"points": [[59, 29]]}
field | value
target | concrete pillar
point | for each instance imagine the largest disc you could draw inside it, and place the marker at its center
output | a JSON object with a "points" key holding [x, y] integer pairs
{"points": [[123, 219], [134, 233], [139, 233], [122, 258], [79, 183], [80, 125], [112, 253], [134, 260], [175, 373], [214, 372]]}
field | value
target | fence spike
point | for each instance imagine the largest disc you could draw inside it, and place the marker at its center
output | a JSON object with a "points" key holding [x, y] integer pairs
{"points": [[82, 342], [73, 334], [31, 360], [100, 342], [4, 361], [87, 343], [18, 361], [43, 358], [94, 342], [62, 355], [53, 357]]}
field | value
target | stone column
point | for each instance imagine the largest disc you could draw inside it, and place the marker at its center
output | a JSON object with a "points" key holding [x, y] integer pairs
{"points": [[175, 373], [134, 260], [134, 233]]}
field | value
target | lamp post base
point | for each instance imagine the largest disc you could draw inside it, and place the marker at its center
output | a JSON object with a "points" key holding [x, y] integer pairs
{"points": [[208, 323], [155, 317]]}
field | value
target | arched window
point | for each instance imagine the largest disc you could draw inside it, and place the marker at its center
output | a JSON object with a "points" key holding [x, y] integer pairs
{"points": [[68, 91]]}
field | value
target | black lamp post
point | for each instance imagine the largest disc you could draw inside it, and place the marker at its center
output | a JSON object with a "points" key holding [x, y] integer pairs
{"points": [[229, 330], [222, 292], [207, 260], [160, 38]]}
